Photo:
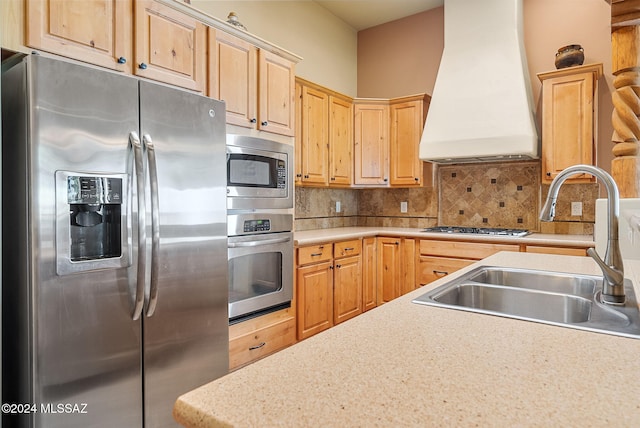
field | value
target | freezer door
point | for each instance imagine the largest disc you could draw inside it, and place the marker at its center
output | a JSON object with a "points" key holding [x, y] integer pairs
{"points": [[72, 340], [185, 323]]}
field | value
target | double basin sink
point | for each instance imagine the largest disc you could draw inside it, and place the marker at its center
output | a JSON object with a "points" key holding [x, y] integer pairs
{"points": [[561, 299]]}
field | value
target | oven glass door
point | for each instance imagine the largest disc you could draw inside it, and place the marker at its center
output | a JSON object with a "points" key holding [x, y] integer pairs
{"points": [[260, 272]]}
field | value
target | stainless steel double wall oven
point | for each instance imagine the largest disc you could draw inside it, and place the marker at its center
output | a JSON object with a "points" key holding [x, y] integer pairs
{"points": [[260, 223]]}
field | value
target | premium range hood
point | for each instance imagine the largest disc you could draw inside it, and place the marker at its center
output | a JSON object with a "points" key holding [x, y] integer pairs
{"points": [[482, 107]]}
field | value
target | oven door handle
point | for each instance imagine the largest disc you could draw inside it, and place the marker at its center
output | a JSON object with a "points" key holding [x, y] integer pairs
{"points": [[258, 243]]}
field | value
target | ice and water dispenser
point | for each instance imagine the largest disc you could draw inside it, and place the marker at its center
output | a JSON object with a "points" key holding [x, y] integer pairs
{"points": [[91, 229]]}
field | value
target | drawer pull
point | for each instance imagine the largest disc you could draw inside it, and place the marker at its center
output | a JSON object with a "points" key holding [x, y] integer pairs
{"points": [[316, 254], [349, 249], [440, 273], [257, 346]]}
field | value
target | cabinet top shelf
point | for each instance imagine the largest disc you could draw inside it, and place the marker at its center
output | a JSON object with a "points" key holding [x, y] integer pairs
{"points": [[218, 24], [596, 69]]}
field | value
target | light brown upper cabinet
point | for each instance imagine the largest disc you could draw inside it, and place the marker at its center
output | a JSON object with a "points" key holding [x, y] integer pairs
{"points": [[371, 142], [340, 141], [98, 32], [324, 137], [256, 85], [315, 136], [387, 139], [569, 109], [407, 121], [169, 46]]}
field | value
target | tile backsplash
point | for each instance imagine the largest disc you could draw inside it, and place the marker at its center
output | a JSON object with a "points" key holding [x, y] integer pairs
{"points": [[507, 194], [490, 195]]}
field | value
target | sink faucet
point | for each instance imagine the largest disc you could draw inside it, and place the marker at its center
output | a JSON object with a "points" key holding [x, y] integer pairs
{"points": [[612, 269]]}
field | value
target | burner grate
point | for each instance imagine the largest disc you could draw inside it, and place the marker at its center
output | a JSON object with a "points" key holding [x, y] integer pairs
{"points": [[478, 230]]}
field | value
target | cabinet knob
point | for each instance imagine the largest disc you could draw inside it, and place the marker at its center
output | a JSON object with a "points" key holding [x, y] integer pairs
{"points": [[142, 66], [548, 174], [254, 120], [338, 266], [298, 175], [122, 60], [306, 176], [333, 179], [265, 123], [416, 179], [385, 180], [397, 243]]}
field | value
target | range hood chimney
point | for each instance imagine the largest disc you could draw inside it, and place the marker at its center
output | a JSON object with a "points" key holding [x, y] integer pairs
{"points": [[481, 109]]}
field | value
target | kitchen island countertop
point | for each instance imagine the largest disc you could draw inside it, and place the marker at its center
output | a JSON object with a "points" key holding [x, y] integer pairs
{"points": [[403, 364], [316, 236]]}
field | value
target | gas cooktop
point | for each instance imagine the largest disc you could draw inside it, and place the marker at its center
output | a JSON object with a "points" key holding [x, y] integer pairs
{"points": [[478, 230]]}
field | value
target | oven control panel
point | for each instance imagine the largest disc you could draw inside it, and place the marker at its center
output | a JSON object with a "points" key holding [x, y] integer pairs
{"points": [[257, 225]]}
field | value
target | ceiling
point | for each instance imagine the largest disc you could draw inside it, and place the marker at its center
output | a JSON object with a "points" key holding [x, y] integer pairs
{"points": [[361, 14]]}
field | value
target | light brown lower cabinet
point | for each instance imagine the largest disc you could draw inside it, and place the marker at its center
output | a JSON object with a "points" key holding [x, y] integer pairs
{"points": [[258, 337], [395, 267], [369, 274], [437, 259], [431, 268], [329, 285], [347, 280], [315, 298], [338, 281], [565, 251]]}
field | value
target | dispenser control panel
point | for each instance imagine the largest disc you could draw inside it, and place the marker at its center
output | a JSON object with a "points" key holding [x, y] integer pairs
{"points": [[94, 190]]}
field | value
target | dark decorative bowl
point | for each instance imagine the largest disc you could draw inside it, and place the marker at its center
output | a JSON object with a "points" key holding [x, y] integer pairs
{"points": [[569, 56]]}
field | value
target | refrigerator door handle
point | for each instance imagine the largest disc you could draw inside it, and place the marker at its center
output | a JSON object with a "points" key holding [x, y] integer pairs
{"points": [[155, 223], [138, 168]]}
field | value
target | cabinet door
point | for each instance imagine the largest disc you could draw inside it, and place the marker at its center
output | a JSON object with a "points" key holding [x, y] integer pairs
{"points": [[567, 124], [369, 274], [98, 31], [566, 251], [315, 299], [169, 46], [406, 131], [347, 288], [340, 141], [371, 144], [315, 136], [233, 77], [389, 269], [277, 94], [298, 137], [408, 273]]}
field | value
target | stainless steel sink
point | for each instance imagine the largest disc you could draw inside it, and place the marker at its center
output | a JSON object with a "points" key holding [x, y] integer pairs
{"points": [[554, 298]]}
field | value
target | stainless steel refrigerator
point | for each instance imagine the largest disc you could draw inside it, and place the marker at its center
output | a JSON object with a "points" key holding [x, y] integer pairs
{"points": [[114, 245]]}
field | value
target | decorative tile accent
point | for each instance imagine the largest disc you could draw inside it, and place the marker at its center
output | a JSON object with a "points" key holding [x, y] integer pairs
{"points": [[490, 195]]}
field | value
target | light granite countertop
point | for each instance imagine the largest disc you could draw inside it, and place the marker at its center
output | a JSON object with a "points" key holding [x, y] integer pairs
{"points": [[317, 236], [403, 364]]}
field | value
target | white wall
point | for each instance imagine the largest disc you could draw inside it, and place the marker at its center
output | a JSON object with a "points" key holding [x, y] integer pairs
{"points": [[327, 44]]}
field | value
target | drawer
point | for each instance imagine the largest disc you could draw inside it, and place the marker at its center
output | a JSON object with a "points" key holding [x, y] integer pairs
{"points": [[433, 268], [567, 251], [260, 343], [314, 254], [466, 250], [347, 248]]}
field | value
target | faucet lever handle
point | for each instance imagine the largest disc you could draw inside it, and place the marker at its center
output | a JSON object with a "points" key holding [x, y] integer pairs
{"points": [[613, 290]]}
